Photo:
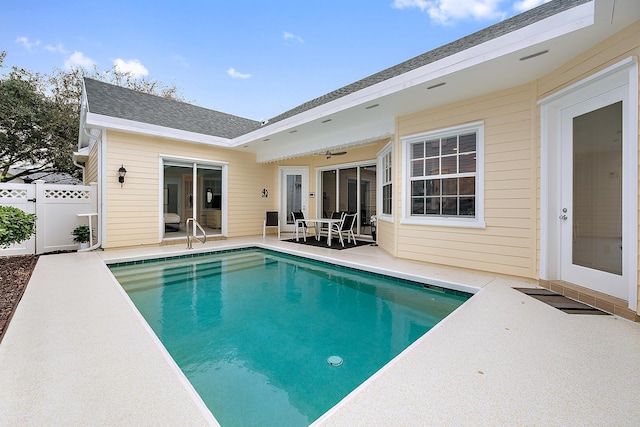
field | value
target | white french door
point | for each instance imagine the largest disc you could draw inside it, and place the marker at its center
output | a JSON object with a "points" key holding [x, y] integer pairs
{"points": [[589, 183], [592, 214], [294, 194]]}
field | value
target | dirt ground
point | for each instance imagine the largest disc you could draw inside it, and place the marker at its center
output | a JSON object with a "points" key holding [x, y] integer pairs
{"points": [[15, 272]]}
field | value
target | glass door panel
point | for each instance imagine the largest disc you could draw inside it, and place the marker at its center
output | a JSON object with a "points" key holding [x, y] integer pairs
{"points": [[209, 207], [294, 195], [191, 190], [328, 182], [294, 182], [367, 198], [597, 189], [348, 190], [176, 201]]}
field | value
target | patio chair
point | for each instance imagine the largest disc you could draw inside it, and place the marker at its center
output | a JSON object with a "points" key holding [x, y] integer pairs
{"points": [[345, 227], [324, 228], [271, 219], [300, 224]]}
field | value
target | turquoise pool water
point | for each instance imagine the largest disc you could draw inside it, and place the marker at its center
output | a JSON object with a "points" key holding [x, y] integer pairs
{"points": [[253, 329]]}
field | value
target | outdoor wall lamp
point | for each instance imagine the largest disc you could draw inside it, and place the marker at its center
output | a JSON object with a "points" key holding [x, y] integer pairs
{"points": [[121, 173]]}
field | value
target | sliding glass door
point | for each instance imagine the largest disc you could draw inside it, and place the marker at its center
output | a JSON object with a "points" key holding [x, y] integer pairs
{"points": [[192, 190], [352, 190]]}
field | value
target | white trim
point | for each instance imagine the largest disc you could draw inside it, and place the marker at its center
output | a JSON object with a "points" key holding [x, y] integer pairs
{"points": [[132, 126], [621, 74], [347, 165], [193, 162], [183, 159], [102, 185], [630, 61], [387, 149], [478, 221]]}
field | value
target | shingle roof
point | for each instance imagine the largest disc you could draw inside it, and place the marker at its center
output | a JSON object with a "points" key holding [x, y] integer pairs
{"points": [[115, 101], [128, 104], [517, 22]]}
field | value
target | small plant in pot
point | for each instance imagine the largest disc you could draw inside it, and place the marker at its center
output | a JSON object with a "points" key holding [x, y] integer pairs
{"points": [[81, 236]]}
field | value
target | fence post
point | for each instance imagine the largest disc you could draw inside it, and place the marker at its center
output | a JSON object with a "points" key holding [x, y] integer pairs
{"points": [[40, 227]]}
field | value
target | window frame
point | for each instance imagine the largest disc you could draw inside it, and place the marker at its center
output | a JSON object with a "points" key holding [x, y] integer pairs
{"points": [[382, 182], [448, 221]]}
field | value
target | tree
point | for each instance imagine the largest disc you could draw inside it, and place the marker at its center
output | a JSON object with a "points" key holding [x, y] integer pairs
{"points": [[34, 131], [15, 226], [40, 115]]}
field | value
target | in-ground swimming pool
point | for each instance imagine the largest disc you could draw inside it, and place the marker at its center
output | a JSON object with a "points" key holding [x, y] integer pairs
{"points": [[254, 330]]}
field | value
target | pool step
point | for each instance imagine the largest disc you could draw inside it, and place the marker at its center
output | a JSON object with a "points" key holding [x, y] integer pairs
{"points": [[157, 276]]}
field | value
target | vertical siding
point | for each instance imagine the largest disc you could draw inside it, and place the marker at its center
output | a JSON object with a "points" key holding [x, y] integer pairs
{"points": [[508, 244], [132, 211], [622, 45]]}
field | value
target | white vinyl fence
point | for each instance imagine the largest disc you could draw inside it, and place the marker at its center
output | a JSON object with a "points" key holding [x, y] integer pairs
{"points": [[57, 208]]}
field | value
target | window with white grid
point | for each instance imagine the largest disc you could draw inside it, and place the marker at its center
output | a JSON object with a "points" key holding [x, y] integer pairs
{"points": [[444, 178]]}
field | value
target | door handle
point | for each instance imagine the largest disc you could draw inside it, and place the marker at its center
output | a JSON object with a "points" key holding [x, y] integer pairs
{"points": [[563, 217]]}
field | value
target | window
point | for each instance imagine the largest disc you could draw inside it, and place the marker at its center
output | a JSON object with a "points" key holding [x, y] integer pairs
{"points": [[386, 180], [444, 178]]}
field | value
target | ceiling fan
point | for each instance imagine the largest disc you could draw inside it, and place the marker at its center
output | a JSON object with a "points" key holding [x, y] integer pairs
{"points": [[329, 153]]}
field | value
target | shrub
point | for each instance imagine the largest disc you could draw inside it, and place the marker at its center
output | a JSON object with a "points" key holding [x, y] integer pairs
{"points": [[80, 234], [15, 226]]}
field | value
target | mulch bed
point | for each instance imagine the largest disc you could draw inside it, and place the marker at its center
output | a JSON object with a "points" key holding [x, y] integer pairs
{"points": [[15, 272]]}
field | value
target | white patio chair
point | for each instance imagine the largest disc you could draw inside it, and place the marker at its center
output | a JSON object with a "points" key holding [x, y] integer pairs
{"points": [[300, 224], [345, 227]]}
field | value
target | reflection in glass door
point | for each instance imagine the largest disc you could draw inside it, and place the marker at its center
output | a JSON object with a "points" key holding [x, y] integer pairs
{"points": [[350, 190], [294, 192], [597, 189], [191, 190]]}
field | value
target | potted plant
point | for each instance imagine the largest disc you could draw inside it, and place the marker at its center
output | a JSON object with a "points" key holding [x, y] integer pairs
{"points": [[81, 236]]}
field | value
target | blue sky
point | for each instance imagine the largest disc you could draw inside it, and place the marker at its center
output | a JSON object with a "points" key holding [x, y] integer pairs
{"points": [[249, 58]]}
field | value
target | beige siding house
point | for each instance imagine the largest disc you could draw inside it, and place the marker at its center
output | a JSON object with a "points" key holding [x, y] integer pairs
{"points": [[512, 151]]}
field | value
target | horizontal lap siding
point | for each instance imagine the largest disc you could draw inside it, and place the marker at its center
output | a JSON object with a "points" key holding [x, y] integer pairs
{"points": [[132, 211], [91, 167], [508, 244]]}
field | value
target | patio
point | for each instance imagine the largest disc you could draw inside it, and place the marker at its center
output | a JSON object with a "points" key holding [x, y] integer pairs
{"points": [[76, 353]]}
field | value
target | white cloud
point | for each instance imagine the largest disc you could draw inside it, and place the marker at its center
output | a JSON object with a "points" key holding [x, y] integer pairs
{"points": [[445, 12], [290, 36], [24, 41], [78, 60], [237, 75], [522, 5], [132, 67], [59, 48]]}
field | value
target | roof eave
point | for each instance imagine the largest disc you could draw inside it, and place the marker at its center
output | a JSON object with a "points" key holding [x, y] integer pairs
{"points": [[113, 123]]}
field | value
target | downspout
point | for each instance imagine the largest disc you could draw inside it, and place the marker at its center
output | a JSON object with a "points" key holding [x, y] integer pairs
{"points": [[98, 139], [79, 165]]}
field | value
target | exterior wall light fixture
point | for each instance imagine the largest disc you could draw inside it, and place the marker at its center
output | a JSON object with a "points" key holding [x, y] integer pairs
{"points": [[121, 173]]}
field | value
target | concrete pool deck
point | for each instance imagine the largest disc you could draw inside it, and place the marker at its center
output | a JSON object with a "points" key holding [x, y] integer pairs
{"points": [[77, 353]]}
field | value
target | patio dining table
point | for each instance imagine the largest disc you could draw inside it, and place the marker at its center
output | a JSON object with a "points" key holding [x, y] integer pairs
{"points": [[317, 222]]}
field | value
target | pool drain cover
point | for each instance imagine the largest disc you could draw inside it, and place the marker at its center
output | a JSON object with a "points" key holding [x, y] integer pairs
{"points": [[334, 360]]}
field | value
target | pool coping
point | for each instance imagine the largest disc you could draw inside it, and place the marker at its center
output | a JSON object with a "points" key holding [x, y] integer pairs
{"points": [[469, 369]]}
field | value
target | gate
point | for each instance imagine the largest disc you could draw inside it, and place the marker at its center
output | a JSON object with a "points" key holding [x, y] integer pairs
{"points": [[56, 207]]}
